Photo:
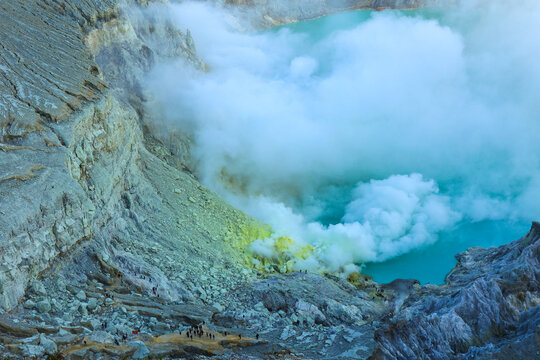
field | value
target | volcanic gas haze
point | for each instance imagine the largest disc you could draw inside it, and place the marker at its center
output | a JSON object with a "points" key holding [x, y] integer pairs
{"points": [[367, 141]]}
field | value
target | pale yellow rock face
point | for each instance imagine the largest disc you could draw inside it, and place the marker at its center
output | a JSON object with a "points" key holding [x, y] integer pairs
{"points": [[112, 31]]}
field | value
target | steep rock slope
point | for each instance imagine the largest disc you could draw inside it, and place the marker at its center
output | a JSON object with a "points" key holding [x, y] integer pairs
{"points": [[489, 303], [73, 164], [46, 76]]}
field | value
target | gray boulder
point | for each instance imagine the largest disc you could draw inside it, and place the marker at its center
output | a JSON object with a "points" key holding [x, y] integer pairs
{"points": [[29, 304], [43, 306], [37, 288], [49, 345], [310, 312], [101, 337], [32, 351], [81, 296], [92, 304], [141, 351]]}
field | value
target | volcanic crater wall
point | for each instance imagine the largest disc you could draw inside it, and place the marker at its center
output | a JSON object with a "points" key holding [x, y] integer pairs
{"points": [[277, 12], [75, 170]]}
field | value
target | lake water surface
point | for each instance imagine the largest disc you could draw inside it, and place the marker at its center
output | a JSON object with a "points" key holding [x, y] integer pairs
{"points": [[431, 263]]}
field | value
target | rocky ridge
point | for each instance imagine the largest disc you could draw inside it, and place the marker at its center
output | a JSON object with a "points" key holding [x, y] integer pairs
{"points": [[110, 247], [268, 13]]}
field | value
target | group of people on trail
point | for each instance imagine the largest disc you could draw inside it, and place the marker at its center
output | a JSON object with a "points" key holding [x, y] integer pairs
{"points": [[198, 331], [193, 331]]}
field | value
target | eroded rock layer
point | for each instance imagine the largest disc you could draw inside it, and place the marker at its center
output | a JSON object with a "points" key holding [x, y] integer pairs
{"points": [[74, 166], [277, 12]]}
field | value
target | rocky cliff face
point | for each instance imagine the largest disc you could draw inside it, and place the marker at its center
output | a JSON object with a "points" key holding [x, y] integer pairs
{"points": [[104, 230], [75, 168], [277, 12], [47, 76]]}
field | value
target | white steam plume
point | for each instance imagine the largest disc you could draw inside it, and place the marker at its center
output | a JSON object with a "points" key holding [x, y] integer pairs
{"points": [[326, 140]]}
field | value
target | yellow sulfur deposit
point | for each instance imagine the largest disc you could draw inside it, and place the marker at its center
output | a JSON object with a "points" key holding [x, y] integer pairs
{"points": [[242, 234], [286, 251], [283, 243]]}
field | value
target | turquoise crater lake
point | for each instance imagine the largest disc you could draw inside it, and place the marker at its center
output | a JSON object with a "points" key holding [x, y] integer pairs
{"points": [[384, 142], [428, 263]]}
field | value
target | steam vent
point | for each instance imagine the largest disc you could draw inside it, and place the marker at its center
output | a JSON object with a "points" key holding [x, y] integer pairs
{"points": [[269, 179]]}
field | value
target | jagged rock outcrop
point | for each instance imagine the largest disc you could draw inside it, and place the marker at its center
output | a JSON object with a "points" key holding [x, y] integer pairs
{"points": [[277, 12], [491, 296], [488, 308], [110, 247]]}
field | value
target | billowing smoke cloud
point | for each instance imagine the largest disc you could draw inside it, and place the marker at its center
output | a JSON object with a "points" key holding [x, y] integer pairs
{"points": [[369, 141]]}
